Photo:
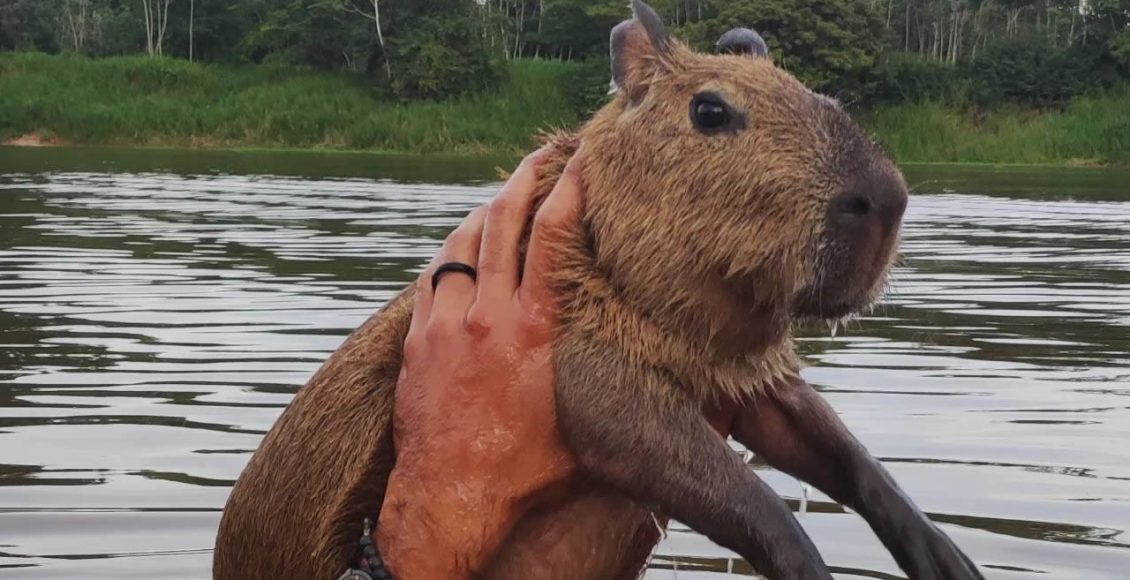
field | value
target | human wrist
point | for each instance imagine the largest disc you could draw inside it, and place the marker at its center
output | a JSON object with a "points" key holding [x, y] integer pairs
{"points": [[447, 532]]}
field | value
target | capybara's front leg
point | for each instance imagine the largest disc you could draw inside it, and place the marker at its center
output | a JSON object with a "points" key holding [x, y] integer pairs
{"points": [[652, 443], [793, 428]]}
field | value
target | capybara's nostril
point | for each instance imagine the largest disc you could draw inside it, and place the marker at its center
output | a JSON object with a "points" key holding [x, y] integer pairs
{"points": [[852, 211], [855, 204], [875, 202]]}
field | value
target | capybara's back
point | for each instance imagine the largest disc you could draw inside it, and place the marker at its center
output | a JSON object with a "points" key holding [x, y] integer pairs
{"points": [[298, 508]]}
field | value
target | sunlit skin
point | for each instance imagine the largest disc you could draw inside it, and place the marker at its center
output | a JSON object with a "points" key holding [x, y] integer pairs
{"points": [[474, 423], [475, 426]]}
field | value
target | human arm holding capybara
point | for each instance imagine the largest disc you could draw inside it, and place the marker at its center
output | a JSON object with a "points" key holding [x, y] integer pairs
{"points": [[795, 430], [474, 402]]}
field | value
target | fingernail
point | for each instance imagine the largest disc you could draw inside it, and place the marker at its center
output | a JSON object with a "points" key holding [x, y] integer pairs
{"points": [[576, 164], [537, 156]]}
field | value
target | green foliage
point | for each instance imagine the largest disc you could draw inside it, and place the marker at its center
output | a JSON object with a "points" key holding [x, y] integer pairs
{"points": [[431, 49], [153, 101], [117, 31], [443, 58], [908, 78], [588, 85], [146, 101], [435, 49], [577, 28], [828, 44], [980, 80], [1030, 72], [314, 33], [1120, 50], [1088, 130], [26, 25]]}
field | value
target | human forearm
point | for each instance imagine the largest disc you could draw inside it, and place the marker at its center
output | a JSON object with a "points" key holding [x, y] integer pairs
{"points": [[452, 532]]}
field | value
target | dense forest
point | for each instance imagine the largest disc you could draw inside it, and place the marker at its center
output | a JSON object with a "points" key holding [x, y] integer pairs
{"points": [[1038, 52], [1018, 81]]}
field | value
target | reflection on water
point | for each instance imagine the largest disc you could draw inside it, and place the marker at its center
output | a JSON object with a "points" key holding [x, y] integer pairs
{"points": [[159, 310]]}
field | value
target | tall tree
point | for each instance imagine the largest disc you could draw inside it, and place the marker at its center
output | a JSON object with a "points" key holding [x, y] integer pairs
{"points": [[156, 14], [78, 22], [372, 12]]}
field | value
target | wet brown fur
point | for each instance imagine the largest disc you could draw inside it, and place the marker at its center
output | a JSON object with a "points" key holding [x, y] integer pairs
{"points": [[696, 255]]}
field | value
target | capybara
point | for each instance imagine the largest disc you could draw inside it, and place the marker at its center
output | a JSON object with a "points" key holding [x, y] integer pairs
{"points": [[725, 202]]}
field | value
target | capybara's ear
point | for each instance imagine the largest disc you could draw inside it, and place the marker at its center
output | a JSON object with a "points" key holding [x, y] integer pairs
{"points": [[640, 48], [743, 41]]}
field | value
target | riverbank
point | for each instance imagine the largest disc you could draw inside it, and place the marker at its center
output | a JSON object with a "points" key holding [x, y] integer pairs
{"points": [[137, 101], [1092, 130]]}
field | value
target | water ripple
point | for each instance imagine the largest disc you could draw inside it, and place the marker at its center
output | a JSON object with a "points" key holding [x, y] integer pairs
{"points": [[155, 325]]}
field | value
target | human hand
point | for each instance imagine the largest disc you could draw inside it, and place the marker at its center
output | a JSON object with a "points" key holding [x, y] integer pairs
{"points": [[475, 424]]}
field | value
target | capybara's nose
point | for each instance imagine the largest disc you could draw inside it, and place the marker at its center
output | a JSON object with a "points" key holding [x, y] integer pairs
{"points": [[876, 200]]}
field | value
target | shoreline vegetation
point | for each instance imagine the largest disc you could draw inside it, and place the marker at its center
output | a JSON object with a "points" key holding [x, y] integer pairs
{"points": [[163, 102]]}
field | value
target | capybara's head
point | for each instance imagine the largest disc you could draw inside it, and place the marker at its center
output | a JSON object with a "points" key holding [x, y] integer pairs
{"points": [[721, 186]]}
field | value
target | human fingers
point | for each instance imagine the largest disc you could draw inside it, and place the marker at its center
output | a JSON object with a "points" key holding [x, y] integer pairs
{"points": [[454, 291], [421, 310], [557, 218], [506, 219]]}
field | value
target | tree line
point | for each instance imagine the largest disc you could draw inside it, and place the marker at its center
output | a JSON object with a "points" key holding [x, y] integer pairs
{"points": [[1039, 51]]}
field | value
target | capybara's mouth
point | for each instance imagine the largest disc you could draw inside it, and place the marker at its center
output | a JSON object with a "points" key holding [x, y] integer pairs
{"points": [[813, 307], [858, 246], [849, 281]]}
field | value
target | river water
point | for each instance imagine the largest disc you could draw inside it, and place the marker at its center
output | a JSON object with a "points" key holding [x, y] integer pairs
{"points": [[159, 309]]}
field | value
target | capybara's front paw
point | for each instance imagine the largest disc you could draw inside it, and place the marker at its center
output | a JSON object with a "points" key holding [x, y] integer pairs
{"points": [[934, 556]]}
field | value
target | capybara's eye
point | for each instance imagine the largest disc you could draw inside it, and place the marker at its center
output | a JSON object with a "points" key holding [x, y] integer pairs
{"points": [[711, 114]]}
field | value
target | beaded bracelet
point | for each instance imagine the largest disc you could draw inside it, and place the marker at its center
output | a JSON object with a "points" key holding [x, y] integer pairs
{"points": [[373, 567]]}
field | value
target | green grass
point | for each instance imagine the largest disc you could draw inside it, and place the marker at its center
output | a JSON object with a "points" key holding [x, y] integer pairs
{"points": [[140, 101], [1090, 130], [145, 101]]}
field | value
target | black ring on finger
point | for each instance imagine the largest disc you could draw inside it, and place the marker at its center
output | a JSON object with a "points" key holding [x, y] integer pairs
{"points": [[459, 267]]}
